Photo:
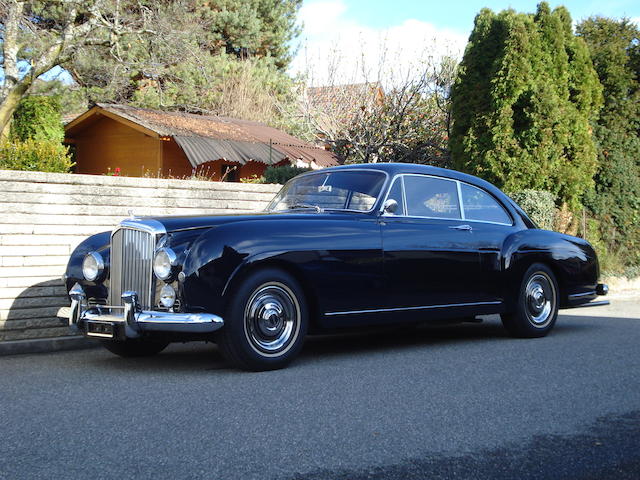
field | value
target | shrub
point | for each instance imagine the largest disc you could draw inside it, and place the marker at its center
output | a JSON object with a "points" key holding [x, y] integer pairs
{"points": [[282, 174], [38, 117], [252, 179], [35, 155], [539, 205]]}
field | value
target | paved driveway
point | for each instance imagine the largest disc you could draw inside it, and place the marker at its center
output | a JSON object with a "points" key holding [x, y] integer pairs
{"points": [[461, 401]]}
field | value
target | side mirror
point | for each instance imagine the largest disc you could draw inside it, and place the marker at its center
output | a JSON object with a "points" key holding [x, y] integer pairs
{"points": [[390, 207]]}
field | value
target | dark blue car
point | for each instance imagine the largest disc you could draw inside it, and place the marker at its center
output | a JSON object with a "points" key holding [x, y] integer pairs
{"points": [[349, 246]]}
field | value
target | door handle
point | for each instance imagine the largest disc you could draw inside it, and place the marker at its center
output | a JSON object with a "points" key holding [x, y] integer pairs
{"points": [[466, 228]]}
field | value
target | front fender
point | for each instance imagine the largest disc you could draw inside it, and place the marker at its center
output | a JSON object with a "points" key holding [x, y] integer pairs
{"points": [[101, 243], [352, 256]]}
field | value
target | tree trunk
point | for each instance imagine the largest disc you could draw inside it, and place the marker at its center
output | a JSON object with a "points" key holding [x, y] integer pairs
{"points": [[9, 105]]}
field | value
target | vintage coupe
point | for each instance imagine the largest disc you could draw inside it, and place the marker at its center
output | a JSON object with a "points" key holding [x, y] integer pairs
{"points": [[349, 246]]}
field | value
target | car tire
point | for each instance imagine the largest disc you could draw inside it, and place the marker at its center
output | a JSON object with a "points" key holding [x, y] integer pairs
{"points": [[536, 310], [266, 321], [135, 347]]}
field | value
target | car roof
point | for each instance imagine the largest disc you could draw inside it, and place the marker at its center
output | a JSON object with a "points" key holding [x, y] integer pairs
{"points": [[404, 168], [393, 169]]}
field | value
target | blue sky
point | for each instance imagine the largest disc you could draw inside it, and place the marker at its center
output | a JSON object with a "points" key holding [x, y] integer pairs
{"points": [[459, 15], [345, 41]]}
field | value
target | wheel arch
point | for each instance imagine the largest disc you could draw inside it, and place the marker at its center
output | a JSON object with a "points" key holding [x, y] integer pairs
{"points": [[520, 266], [248, 268]]}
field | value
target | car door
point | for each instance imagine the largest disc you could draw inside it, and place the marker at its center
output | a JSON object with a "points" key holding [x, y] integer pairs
{"points": [[430, 258], [491, 224]]}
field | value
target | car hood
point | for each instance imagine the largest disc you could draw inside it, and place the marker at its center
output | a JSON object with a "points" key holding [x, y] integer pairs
{"points": [[190, 222]]}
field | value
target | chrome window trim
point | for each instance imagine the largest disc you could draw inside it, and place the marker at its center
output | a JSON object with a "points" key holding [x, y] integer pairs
{"points": [[460, 202], [404, 196], [375, 206], [402, 309]]}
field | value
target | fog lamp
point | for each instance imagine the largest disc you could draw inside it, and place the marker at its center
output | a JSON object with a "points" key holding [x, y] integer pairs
{"points": [[167, 296]]}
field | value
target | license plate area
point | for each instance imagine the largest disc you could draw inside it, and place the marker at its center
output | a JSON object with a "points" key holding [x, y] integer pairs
{"points": [[99, 329]]}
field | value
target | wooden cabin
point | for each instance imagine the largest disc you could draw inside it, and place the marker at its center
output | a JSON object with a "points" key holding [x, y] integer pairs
{"points": [[136, 142]]}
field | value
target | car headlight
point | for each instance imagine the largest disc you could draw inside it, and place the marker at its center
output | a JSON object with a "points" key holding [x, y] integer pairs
{"points": [[92, 266], [164, 263], [167, 296]]}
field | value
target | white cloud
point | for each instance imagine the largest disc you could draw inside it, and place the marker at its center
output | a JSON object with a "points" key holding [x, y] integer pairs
{"points": [[636, 20], [335, 49]]}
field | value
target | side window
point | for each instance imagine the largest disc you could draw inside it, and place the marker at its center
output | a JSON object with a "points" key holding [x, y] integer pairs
{"points": [[479, 205], [431, 197], [396, 194]]}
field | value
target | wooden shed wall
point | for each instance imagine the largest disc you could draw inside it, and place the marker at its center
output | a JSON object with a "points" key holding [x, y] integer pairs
{"points": [[107, 143], [174, 162]]}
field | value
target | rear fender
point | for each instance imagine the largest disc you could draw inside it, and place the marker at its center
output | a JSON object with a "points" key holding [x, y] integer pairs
{"points": [[572, 260]]}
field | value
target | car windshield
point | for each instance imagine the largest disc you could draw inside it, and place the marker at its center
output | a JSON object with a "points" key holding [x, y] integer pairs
{"points": [[337, 190]]}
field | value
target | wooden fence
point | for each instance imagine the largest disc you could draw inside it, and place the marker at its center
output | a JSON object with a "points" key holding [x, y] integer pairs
{"points": [[44, 216]]}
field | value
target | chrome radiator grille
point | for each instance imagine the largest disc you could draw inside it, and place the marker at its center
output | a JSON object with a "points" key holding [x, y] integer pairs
{"points": [[131, 265]]}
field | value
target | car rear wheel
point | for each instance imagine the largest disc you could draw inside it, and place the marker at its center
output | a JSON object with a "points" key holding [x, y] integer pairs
{"points": [[265, 323], [135, 347], [537, 307]]}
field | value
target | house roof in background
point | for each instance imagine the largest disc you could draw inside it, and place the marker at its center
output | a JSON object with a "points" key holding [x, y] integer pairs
{"points": [[202, 137], [325, 98]]}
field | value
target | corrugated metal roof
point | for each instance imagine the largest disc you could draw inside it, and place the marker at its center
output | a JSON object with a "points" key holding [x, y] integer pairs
{"points": [[239, 140], [200, 150]]}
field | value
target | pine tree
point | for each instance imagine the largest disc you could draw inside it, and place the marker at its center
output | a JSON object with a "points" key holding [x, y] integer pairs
{"points": [[615, 50], [522, 104]]}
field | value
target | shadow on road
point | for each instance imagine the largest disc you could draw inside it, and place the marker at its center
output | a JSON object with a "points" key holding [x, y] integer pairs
{"points": [[203, 357]]}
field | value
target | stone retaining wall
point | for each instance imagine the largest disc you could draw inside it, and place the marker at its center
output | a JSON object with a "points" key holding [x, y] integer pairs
{"points": [[43, 216]]}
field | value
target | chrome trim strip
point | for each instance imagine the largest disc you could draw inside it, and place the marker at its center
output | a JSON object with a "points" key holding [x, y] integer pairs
{"points": [[402, 309], [579, 295]]}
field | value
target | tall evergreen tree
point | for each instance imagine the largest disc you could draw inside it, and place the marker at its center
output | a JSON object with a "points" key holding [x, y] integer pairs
{"points": [[615, 50], [522, 103]]}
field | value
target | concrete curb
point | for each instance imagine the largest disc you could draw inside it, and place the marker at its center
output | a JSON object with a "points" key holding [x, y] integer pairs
{"points": [[42, 345]]}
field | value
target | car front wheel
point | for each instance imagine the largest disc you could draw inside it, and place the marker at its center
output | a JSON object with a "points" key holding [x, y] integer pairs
{"points": [[537, 307], [265, 323]]}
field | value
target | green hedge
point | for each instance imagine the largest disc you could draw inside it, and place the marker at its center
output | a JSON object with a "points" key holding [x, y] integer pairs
{"points": [[35, 155], [539, 205], [282, 174], [38, 117]]}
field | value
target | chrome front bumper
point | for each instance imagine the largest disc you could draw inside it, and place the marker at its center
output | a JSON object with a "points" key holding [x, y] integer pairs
{"points": [[130, 321]]}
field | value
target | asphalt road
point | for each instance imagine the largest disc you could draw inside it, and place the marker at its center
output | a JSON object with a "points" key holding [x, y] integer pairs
{"points": [[458, 402]]}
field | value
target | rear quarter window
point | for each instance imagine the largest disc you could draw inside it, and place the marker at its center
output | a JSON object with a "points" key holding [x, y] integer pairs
{"points": [[479, 205]]}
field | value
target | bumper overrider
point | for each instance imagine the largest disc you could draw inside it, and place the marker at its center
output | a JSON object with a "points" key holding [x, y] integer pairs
{"points": [[130, 321]]}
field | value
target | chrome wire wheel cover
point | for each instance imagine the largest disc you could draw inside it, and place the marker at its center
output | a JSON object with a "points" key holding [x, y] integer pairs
{"points": [[540, 299], [272, 319]]}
